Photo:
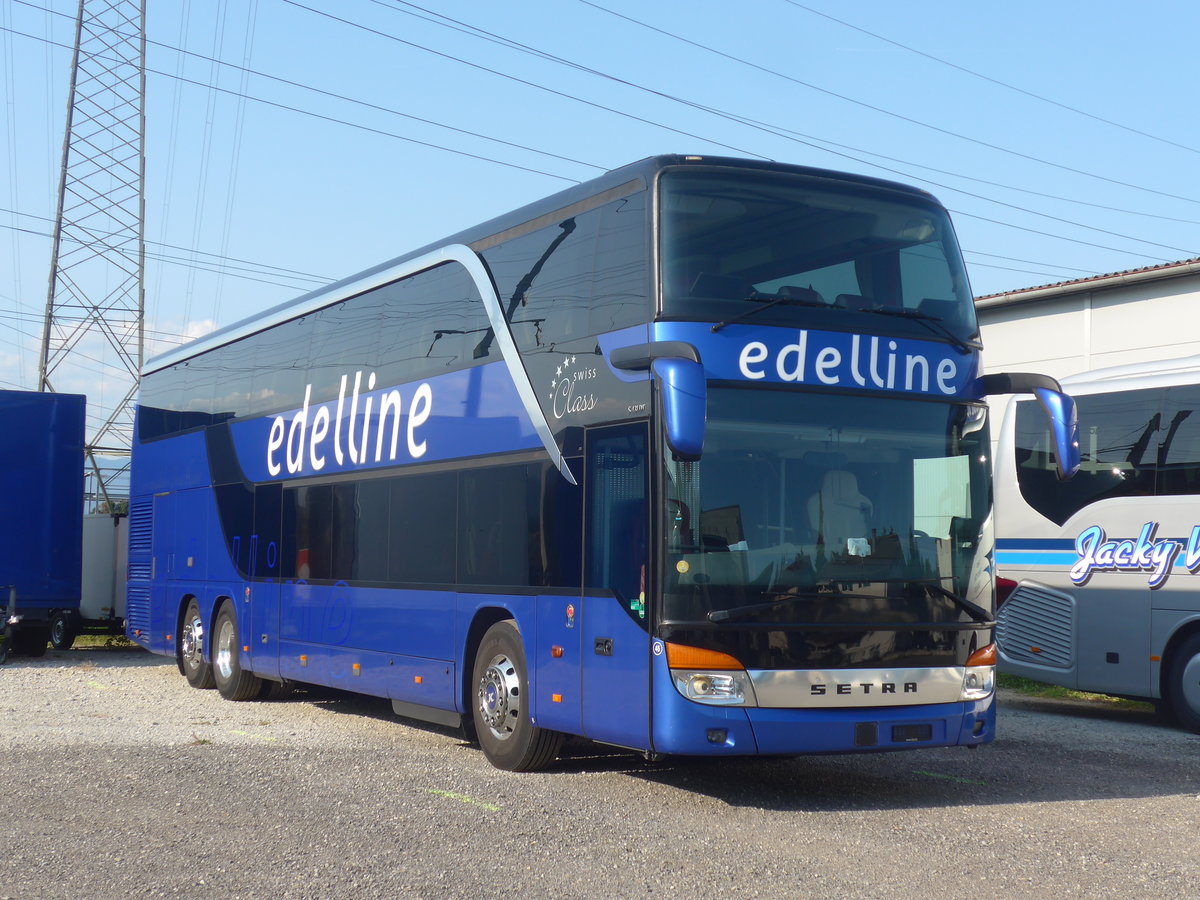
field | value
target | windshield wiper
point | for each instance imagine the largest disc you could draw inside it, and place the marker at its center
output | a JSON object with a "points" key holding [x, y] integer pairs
{"points": [[724, 615], [976, 612], [790, 301], [933, 323]]}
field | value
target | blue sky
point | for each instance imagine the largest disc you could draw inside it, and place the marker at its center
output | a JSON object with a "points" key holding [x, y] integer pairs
{"points": [[998, 109]]}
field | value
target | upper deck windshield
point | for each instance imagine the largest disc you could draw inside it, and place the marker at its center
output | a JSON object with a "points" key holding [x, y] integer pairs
{"points": [[772, 248], [820, 508]]}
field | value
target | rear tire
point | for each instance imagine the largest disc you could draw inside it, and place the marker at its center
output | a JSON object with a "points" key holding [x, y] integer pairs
{"points": [[1183, 683], [62, 631], [233, 682], [502, 705], [190, 648]]}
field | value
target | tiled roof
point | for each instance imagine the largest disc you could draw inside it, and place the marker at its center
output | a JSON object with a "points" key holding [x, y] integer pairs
{"points": [[1164, 270]]}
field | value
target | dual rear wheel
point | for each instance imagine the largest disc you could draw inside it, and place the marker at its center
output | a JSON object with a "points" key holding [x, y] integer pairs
{"points": [[196, 647], [501, 710]]}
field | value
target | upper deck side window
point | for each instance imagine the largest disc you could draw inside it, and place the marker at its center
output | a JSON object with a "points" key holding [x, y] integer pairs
{"points": [[828, 257], [1138, 443]]}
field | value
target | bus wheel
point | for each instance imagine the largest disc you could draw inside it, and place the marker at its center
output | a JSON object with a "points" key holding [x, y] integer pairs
{"points": [[233, 682], [1184, 683], [190, 648], [62, 630], [501, 710]]}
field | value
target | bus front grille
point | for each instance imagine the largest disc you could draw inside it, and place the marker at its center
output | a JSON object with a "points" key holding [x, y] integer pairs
{"points": [[1037, 625]]}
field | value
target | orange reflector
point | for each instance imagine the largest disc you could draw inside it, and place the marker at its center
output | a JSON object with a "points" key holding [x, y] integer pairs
{"points": [[418, 679], [169, 641], [245, 648], [304, 660], [984, 656], [357, 668], [681, 656], [556, 652], [1035, 649], [556, 698], [1155, 659]]}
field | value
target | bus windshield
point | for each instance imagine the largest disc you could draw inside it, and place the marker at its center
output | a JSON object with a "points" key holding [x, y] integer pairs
{"points": [[814, 508], [771, 248]]}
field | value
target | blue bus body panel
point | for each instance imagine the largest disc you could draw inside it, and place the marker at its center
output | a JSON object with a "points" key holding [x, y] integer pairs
{"points": [[616, 675], [41, 475], [557, 696]]}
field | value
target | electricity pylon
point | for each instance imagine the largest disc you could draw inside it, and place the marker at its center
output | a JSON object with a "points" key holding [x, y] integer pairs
{"points": [[95, 304]]}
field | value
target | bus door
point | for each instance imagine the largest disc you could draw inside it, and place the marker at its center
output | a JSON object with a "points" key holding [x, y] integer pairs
{"points": [[615, 629]]}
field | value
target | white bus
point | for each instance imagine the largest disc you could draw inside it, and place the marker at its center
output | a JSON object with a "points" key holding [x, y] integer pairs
{"points": [[1100, 575]]}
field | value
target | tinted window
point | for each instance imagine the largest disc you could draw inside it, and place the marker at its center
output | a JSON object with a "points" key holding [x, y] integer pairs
{"points": [[494, 527], [829, 256], [582, 276], [1179, 447], [1121, 437], [422, 529]]}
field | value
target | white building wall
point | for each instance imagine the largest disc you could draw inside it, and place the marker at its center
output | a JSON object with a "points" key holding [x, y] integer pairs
{"points": [[1071, 329], [1079, 330]]}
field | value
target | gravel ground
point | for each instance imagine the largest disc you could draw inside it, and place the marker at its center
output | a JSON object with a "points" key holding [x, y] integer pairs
{"points": [[121, 781]]}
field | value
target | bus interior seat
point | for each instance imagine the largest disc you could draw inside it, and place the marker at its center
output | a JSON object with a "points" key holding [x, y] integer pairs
{"points": [[803, 294], [946, 310], [838, 511], [853, 301]]}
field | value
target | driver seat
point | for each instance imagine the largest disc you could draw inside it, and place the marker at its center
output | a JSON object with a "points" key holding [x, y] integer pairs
{"points": [[838, 511]]}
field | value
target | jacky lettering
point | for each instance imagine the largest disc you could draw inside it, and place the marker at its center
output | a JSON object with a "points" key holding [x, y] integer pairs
{"points": [[303, 438], [1145, 554]]}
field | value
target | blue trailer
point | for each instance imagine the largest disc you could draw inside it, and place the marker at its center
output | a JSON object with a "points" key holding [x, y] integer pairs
{"points": [[41, 482]]}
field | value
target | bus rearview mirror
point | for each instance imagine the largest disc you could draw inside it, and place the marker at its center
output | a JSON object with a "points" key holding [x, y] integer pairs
{"points": [[685, 405], [1064, 427], [1058, 406]]}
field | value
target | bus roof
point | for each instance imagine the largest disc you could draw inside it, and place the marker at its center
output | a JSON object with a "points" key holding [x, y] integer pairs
{"points": [[1153, 373], [633, 176]]}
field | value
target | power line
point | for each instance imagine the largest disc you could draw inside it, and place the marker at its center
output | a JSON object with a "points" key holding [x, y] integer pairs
{"points": [[878, 109], [540, 87], [778, 131], [995, 81], [331, 94], [306, 276], [164, 258], [325, 118]]}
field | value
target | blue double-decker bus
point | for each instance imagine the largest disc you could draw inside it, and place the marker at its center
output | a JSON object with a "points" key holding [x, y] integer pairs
{"points": [[688, 459]]}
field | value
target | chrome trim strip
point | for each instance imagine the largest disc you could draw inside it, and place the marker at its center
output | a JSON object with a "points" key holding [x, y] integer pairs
{"points": [[459, 253], [848, 688], [516, 368], [319, 299]]}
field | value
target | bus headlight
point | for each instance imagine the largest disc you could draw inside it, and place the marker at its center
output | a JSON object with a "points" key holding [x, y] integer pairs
{"points": [[715, 688], [709, 676], [979, 677]]}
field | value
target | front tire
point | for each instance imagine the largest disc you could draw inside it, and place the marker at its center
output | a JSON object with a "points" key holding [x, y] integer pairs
{"points": [[502, 705], [233, 682], [1183, 683]]}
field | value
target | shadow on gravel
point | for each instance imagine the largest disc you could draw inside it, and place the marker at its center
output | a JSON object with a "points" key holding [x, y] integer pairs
{"points": [[1048, 750]]}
